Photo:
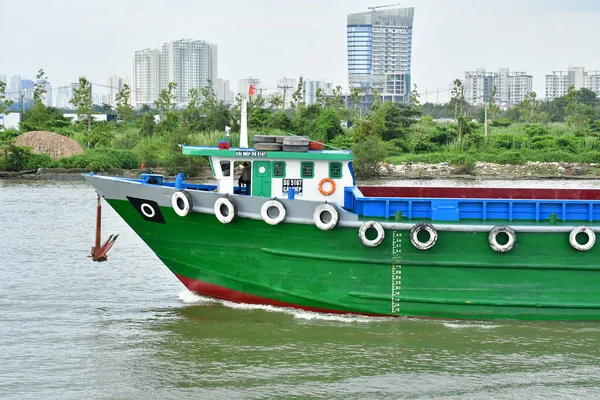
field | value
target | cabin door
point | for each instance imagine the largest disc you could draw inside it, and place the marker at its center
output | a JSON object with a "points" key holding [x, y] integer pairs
{"points": [[261, 178]]}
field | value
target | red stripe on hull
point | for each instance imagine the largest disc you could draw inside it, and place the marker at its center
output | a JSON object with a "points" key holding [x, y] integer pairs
{"points": [[235, 296], [482, 193]]}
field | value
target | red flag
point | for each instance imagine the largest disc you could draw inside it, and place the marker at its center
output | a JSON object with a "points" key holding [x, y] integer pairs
{"points": [[251, 90]]}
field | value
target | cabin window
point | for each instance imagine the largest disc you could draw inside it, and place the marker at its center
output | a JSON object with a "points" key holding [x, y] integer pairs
{"points": [[279, 169], [307, 169], [226, 168], [335, 170]]}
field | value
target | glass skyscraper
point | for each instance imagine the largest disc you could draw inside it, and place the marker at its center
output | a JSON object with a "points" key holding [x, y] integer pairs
{"points": [[379, 52]]}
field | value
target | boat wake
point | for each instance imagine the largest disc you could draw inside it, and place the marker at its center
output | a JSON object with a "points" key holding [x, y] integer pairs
{"points": [[465, 325], [190, 297]]}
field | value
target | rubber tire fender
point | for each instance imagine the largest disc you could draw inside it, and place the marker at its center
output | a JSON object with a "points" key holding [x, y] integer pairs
{"points": [[502, 248], [362, 233], [326, 226], [582, 229], [264, 212], [423, 226], [187, 203], [231, 208]]}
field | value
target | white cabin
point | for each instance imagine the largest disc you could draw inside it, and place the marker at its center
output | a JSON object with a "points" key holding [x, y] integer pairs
{"points": [[311, 175]]}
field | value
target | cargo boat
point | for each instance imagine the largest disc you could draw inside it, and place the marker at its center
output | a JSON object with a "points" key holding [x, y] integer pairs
{"points": [[295, 230]]}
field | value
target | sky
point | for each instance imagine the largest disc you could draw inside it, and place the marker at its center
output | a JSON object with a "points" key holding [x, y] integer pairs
{"points": [[270, 39]]}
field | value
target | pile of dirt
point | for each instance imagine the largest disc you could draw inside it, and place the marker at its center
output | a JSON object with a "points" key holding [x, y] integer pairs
{"points": [[56, 146]]}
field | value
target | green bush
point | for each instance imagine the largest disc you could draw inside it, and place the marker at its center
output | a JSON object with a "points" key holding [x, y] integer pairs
{"points": [[422, 145], [501, 122], [464, 165], [8, 135], [532, 130], [510, 157], [368, 154], [506, 141], [35, 161], [342, 141], [590, 157], [101, 160]]}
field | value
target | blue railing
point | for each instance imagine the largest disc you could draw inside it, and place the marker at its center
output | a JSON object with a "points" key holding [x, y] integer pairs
{"points": [[449, 209]]}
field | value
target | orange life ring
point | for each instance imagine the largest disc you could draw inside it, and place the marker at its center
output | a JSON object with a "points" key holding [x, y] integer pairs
{"points": [[330, 192]]}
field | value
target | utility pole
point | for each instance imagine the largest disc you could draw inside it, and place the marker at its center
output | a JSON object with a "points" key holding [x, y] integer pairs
{"points": [[485, 119], [89, 117], [21, 105], [437, 101], [285, 88]]}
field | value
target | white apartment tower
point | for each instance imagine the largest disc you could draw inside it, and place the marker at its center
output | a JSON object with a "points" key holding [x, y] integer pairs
{"points": [[511, 87], [224, 93], [115, 84], [311, 87], [558, 83], [191, 64], [146, 77]]}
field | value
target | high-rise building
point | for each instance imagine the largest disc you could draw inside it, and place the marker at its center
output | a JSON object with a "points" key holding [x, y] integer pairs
{"points": [[559, 82], [191, 64], [311, 87], [379, 52], [114, 85], [3, 78], [511, 87], [64, 96], [224, 93], [48, 97], [146, 77], [14, 87], [99, 99], [129, 82]]}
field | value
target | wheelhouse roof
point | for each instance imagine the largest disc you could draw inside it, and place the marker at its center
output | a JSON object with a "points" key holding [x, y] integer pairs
{"points": [[245, 153]]}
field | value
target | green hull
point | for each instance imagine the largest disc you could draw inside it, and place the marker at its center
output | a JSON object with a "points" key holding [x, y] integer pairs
{"points": [[542, 277]]}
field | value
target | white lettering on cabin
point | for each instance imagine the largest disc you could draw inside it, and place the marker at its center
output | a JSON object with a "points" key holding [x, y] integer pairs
{"points": [[251, 153]]}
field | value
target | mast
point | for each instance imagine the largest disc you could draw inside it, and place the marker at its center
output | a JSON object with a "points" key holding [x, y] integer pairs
{"points": [[244, 124]]}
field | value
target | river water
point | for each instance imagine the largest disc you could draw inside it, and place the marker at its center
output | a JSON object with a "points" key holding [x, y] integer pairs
{"points": [[127, 329]]}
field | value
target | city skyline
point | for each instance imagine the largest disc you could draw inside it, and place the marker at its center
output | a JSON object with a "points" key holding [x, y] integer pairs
{"points": [[270, 40]]}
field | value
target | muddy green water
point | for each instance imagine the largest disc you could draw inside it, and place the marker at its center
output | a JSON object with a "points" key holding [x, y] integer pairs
{"points": [[127, 329]]}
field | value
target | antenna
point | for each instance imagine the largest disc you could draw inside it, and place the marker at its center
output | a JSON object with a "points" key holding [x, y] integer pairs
{"points": [[388, 5]]}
